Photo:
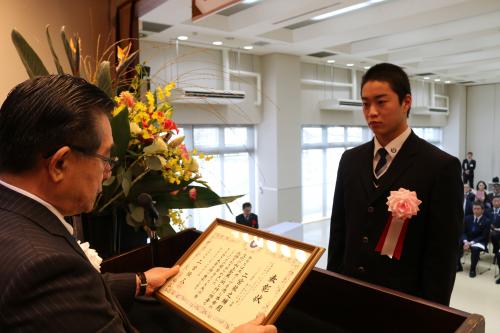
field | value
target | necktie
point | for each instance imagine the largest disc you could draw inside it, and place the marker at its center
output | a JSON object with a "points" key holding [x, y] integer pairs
{"points": [[381, 162], [475, 220]]}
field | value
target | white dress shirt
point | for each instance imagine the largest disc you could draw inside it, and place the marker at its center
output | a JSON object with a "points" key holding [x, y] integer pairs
{"points": [[392, 149]]}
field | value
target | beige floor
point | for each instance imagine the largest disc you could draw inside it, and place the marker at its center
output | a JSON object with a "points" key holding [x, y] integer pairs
{"points": [[475, 295]]}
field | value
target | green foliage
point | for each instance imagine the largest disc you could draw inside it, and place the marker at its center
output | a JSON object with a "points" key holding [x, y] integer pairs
{"points": [[31, 61]]}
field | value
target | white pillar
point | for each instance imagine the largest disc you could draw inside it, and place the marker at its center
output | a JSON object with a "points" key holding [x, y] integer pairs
{"points": [[279, 143]]}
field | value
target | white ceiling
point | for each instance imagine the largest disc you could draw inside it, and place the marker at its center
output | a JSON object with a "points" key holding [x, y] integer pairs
{"points": [[457, 40]]}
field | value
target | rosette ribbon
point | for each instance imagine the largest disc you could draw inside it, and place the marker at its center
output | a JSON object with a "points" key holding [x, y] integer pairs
{"points": [[403, 204]]}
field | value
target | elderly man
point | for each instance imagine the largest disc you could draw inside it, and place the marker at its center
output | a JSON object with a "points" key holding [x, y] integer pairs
{"points": [[55, 146]]}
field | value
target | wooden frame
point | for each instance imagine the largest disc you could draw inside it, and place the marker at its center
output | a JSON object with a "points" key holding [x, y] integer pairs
{"points": [[298, 269]]}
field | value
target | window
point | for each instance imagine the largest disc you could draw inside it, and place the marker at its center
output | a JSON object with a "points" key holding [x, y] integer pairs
{"points": [[322, 148], [230, 172]]}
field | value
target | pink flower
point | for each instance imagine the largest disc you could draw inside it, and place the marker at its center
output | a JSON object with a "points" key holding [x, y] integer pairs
{"points": [[403, 203], [127, 99], [192, 194]]}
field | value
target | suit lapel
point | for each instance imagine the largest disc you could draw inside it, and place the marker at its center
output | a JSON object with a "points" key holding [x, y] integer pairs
{"points": [[366, 164], [403, 160], [22, 205]]}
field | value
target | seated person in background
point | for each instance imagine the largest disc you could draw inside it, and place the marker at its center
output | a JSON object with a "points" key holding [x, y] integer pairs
{"points": [[248, 218], [55, 152], [495, 193], [495, 230], [475, 237], [468, 200], [482, 194]]}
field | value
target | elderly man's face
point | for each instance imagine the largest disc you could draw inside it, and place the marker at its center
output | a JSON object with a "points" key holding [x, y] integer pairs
{"points": [[86, 174]]}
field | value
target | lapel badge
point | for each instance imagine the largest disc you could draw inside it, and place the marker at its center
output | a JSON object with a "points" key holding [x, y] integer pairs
{"points": [[393, 150]]}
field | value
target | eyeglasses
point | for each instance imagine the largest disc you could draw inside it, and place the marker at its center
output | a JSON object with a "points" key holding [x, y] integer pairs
{"points": [[110, 161]]}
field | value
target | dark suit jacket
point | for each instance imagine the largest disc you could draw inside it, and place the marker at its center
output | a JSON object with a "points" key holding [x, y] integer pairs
{"points": [[253, 220], [427, 264], [471, 166], [46, 282], [476, 232]]}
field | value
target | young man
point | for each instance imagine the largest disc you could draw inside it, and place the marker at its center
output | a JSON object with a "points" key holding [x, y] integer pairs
{"points": [[396, 158], [474, 237], [468, 167], [55, 146], [248, 218]]}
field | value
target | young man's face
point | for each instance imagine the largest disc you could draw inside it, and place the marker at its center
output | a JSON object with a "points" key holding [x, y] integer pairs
{"points": [[477, 210], [384, 113], [469, 156], [247, 210]]}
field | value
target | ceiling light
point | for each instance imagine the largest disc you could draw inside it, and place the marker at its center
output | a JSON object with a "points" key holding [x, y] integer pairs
{"points": [[447, 82], [437, 80], [248, 47], [345, 10], [349, 65], [183, 38], [366, 67], [330, 61], [249, 1], [217, 42], [426, 78]]}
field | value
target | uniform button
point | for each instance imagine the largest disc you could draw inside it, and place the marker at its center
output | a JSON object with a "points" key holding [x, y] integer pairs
{"points": [[361, 269], [371, 209], [365, 239]]}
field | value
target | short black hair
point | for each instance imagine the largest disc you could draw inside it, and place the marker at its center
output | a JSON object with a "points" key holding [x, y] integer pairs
{"points": [[478, 203], [43, 114], [246, 204], [394, 75]]}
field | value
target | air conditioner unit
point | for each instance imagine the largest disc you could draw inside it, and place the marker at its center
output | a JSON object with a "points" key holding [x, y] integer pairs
{"points": [[206, 96], [429, 110], [341, 104]]}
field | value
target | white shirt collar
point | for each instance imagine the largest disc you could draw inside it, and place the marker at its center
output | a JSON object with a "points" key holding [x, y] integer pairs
{"points": [[44, 203], [395, 145]]}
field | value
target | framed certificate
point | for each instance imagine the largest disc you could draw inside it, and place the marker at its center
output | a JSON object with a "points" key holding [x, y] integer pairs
{"points": [[233, 272]]}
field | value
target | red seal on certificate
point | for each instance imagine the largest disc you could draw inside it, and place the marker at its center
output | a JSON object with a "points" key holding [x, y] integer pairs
{"points": [[403, 204]]}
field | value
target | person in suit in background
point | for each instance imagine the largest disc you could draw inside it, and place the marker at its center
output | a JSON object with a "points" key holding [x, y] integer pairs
{"points": [[468, 199], [468, 167], [396, 158], [495, 230], [494, 193], [55, 152], [474, 237], [247, 217]]}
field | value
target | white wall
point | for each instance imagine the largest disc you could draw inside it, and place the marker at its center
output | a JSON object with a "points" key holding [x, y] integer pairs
{"points": [[483, 124], [278, 120], [88, 18], [202, 68]]}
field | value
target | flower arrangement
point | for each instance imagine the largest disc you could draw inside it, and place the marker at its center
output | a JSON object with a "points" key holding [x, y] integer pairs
{"points": [[152, 157]]}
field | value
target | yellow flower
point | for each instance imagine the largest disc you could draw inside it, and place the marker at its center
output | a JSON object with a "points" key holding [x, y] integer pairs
{"points": [[169, 87], [140, 106], [201, 155], [193, 166], [160, 94], [122, 54], [151, 99]]}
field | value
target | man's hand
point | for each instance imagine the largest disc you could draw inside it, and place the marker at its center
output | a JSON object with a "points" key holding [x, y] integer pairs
{"points": [[255, 326], [156, 277]]}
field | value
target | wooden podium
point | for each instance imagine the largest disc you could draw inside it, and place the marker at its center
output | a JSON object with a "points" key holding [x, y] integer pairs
{"points": [[326, 302]]}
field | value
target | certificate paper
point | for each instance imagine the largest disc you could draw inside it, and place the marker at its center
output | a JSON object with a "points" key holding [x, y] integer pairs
{"points": [[232, 273]]}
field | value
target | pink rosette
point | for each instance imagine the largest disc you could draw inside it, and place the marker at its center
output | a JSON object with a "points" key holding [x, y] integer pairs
{"points": [[403, 204]]}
